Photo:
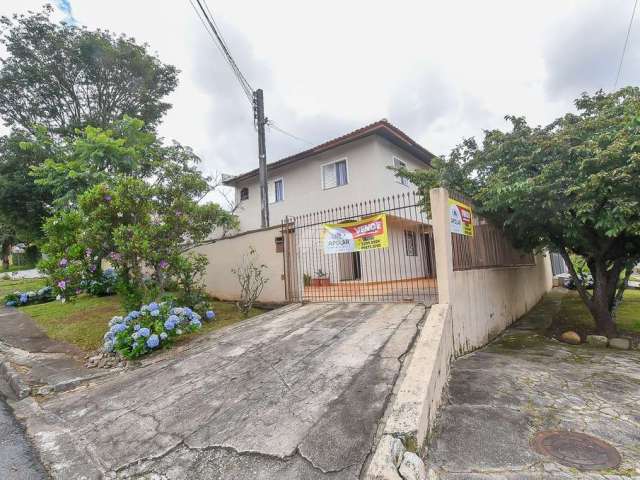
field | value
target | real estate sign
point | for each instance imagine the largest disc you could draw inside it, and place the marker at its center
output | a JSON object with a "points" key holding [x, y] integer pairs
{"points": [[365, 234], [460, 218]]}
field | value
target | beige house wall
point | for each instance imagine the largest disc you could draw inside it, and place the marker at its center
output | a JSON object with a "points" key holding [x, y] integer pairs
{"points": [[368, 178], [227, 253]]}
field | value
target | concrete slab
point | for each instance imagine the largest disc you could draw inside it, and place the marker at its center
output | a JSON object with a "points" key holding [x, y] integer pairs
{"points": [[289, 394], [524, 383], [30, 361]]}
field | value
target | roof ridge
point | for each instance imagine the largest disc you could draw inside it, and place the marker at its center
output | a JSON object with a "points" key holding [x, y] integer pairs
{"points": [[369, 129]]}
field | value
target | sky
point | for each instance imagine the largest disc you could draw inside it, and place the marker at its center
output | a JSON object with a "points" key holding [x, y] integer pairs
{"points": [[440, 71]]}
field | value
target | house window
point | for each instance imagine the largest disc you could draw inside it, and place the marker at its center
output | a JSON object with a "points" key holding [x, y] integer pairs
{"points": [[410, 244], [276, 191], [397, 163], [244, 194], [279, 188], [335, 174]]}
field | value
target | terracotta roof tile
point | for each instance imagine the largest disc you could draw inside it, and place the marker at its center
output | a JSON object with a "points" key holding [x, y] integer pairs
{"points": [[381, 127]]}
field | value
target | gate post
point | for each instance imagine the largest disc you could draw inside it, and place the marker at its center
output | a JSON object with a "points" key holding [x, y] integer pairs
{"points": [[439, 198]]}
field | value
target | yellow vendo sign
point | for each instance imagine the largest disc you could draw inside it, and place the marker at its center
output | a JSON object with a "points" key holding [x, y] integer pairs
{"points": [[365, 234], [460, 218]]}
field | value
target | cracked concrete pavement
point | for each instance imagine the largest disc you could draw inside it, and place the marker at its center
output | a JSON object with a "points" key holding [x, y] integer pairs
{"points": [[295, 393], [523, 383]]}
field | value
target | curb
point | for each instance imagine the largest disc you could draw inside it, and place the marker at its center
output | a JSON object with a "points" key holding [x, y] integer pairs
{"points": [[413, 409], [12, 377]]}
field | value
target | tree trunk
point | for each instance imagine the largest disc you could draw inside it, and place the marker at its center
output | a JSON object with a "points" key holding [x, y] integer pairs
{"points": [[6, 252], [600, 302]]}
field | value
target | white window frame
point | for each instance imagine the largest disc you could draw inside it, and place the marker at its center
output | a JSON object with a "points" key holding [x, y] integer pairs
{"points": [[333, 162], [273, 182], [401, 180]]}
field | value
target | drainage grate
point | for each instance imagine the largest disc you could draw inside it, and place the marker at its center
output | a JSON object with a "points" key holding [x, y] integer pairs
{"points": [[577, 450]]}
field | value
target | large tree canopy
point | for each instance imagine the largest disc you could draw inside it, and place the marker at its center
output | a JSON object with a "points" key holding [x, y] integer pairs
{"points": [[572, 186], [66, 77], [23, 205]]}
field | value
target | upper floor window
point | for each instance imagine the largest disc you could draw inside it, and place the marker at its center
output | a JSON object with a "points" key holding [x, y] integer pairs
{"points": [[397, 163], [244, 194], [276, 191], [335, 174]]}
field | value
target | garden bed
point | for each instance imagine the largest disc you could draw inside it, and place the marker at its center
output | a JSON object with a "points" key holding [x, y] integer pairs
{"points": [[21, 285], [84, 320]]}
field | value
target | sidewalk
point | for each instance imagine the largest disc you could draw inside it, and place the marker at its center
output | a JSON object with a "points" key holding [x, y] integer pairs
{"points": [[33, 363], [523, 383]]}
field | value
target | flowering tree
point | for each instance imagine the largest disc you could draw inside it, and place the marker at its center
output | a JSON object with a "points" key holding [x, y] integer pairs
{"points": [[141, 211]]}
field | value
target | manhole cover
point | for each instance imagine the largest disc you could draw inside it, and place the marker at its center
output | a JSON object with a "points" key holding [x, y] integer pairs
{"points": [[577, 450]]}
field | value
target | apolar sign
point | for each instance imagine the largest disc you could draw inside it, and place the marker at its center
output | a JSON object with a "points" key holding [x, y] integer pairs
{"points": [[366, 234], [460, 218]]}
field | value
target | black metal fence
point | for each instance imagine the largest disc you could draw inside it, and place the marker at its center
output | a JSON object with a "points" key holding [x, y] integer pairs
{"points": [[402, 270]]}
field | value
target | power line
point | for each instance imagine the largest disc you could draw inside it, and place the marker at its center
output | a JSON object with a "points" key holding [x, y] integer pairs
{"points": [[274, 126], [206, 18], [626, 42]]}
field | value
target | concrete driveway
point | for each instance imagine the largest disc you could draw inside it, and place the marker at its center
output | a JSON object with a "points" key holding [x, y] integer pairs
{"points": [[293, 394]]}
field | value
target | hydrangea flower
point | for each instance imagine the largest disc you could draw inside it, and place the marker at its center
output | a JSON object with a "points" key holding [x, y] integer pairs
{"points": [[169, 324], [153, 341], [24, 298], [163, 336], [144, 332], [11, 303], [178, 332], [155, 313], [153, 306], [196, 323], [210, 315], [108, 346], [136, 327], [118, 327], [187, 311], [134, 314], [178, 310], [135, 336]]}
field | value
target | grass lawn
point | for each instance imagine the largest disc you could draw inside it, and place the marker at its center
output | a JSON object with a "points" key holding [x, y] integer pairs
{"points": [[573, 314], [20, 285], [83, 321], [16, 268]]}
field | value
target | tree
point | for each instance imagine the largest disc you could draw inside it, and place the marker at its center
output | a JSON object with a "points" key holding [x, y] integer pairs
{"points": [[65, 77], [136, 203], [571, 186], [23, 204]]}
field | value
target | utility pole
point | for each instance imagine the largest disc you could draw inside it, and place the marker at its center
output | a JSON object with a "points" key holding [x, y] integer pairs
{"points": [[258, 108]]}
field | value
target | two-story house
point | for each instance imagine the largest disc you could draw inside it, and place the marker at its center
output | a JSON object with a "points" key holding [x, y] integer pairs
{"points": [[344, 171]]}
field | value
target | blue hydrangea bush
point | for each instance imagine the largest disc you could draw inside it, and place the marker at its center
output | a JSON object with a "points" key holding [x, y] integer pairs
{"points": [[154, 326], [20, 299]]}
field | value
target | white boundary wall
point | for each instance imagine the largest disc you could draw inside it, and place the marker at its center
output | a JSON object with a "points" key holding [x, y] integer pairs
{"points": [[483, 301], [226, 254]]}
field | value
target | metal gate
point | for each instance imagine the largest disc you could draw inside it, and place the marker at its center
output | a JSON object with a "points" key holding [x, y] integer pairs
{"points": [[402, 271]]}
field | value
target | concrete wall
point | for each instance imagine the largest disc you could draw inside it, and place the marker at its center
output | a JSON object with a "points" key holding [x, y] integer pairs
{"points": [[226, 254], [486, 301], [483, 301], [368, 178]]}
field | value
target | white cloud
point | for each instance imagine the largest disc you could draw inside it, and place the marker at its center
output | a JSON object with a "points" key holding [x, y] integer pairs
{"points": [[438, 70]]}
